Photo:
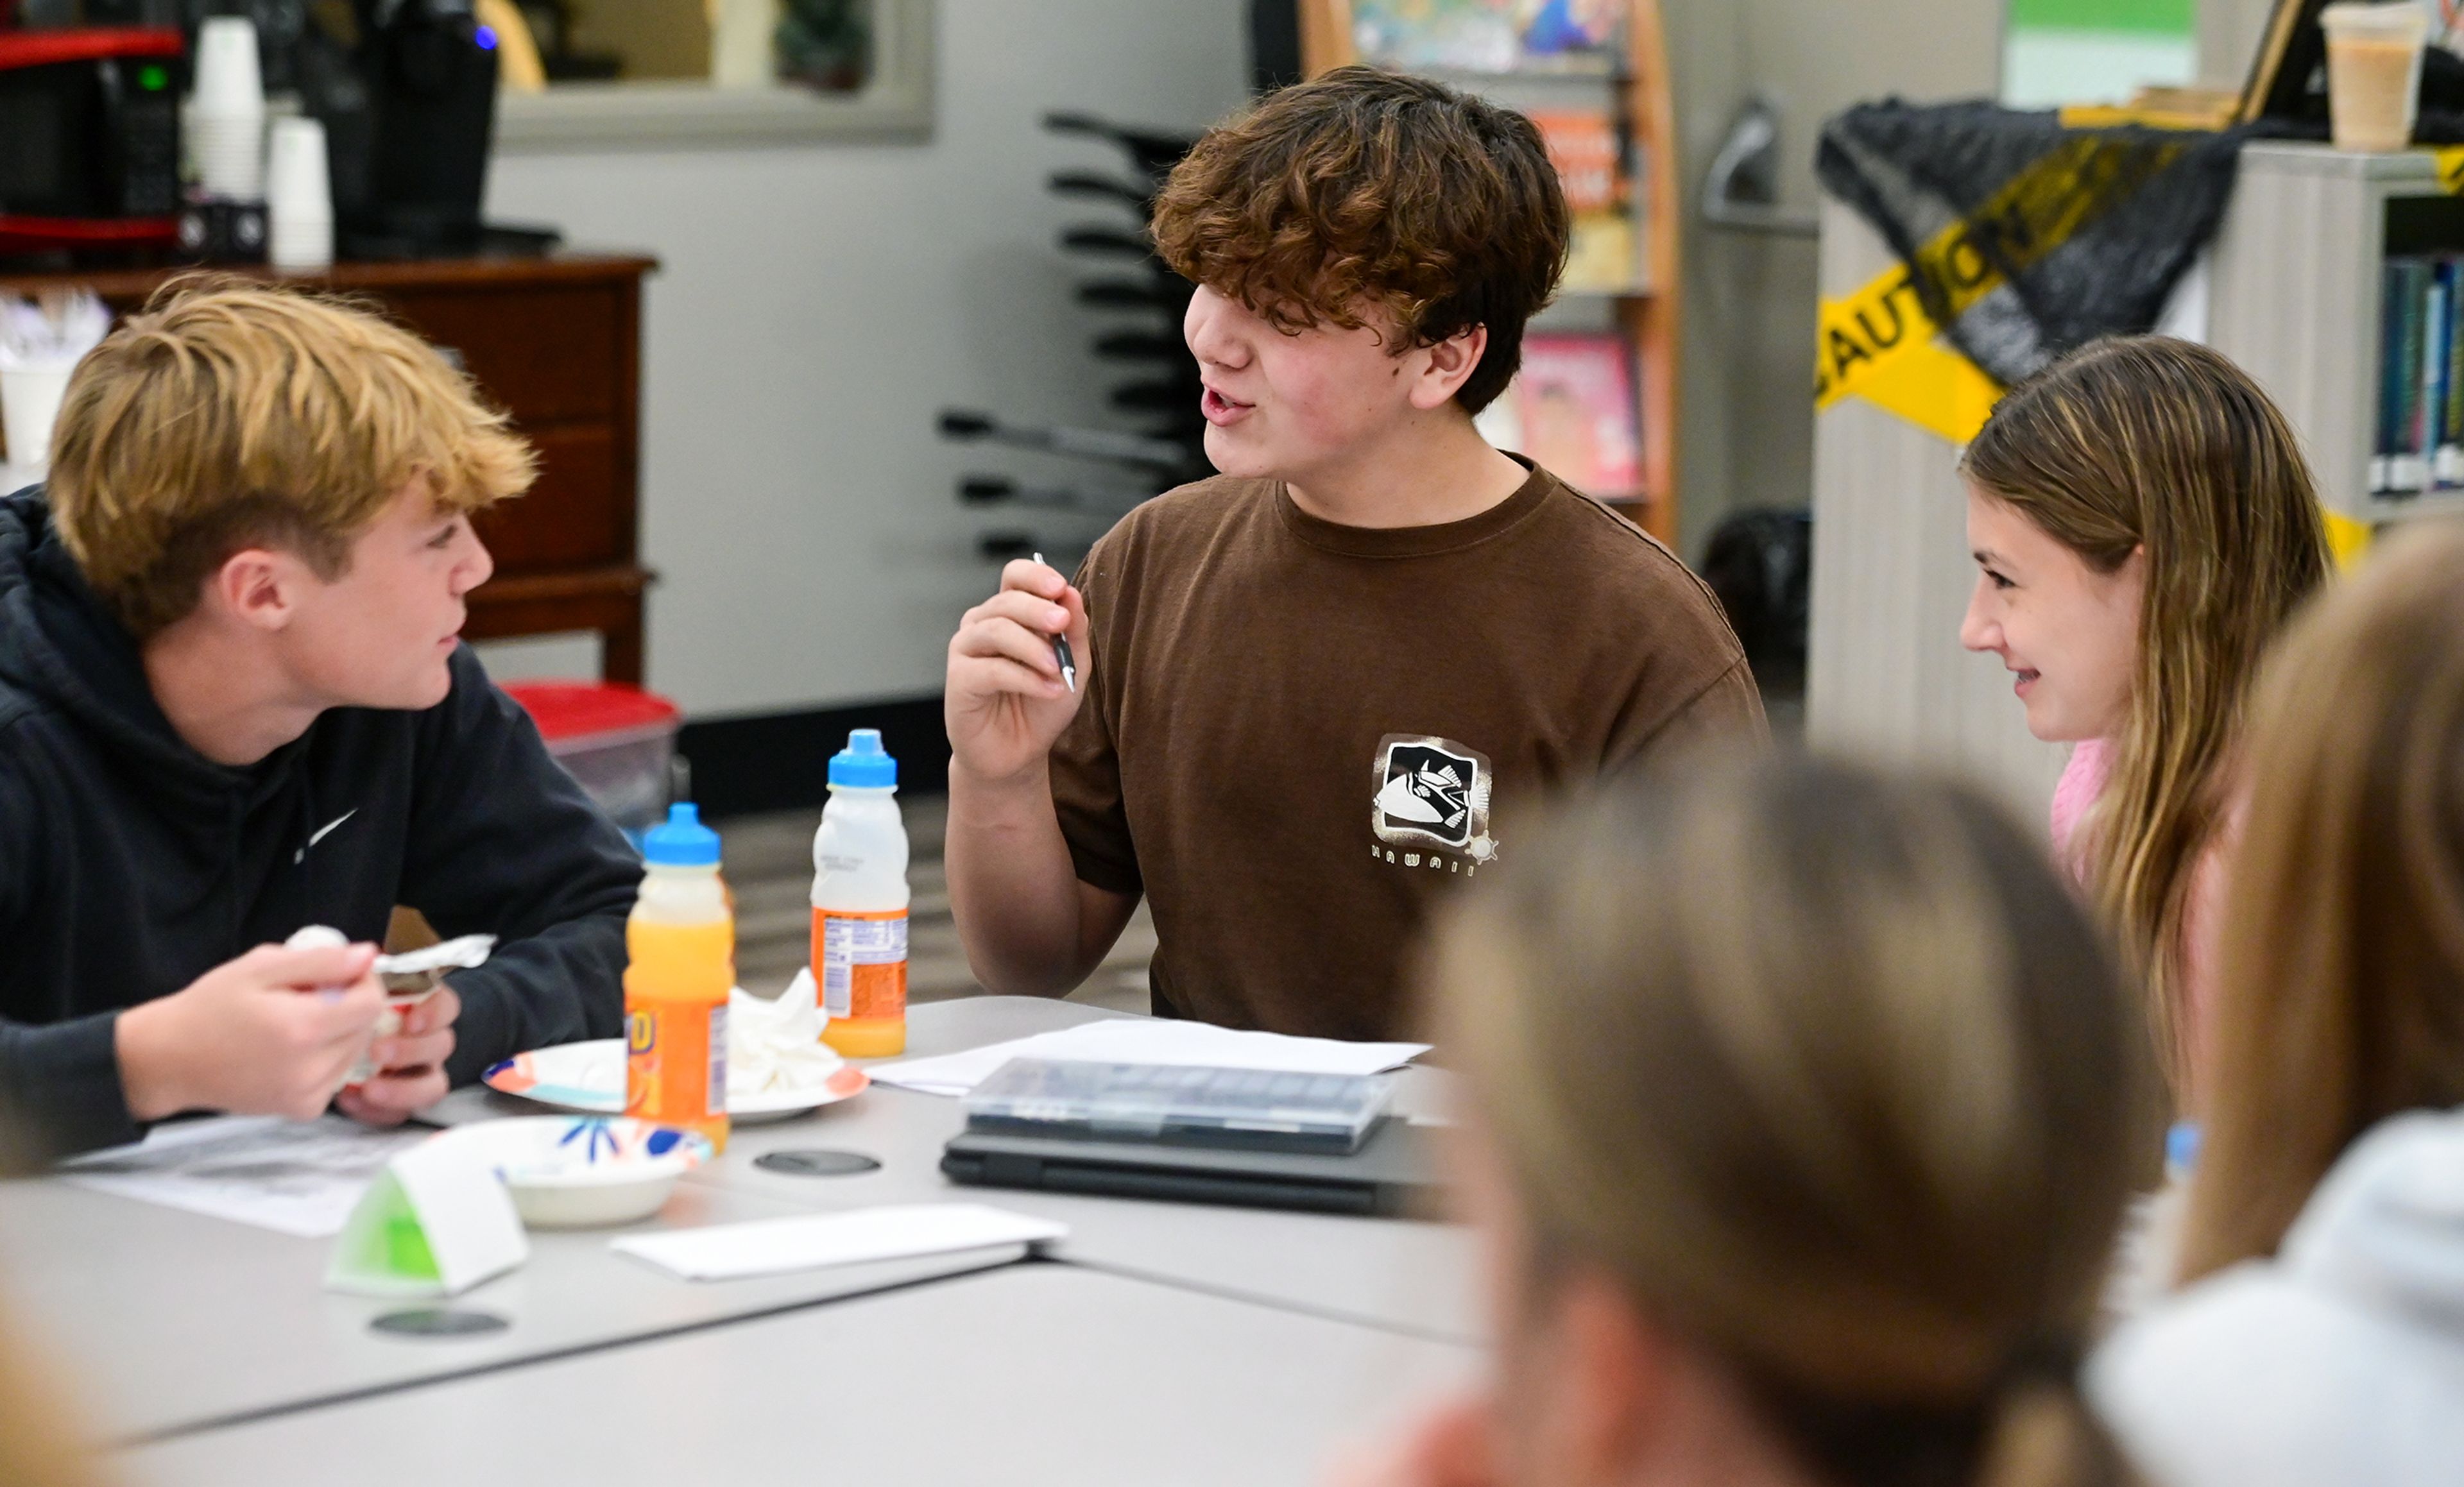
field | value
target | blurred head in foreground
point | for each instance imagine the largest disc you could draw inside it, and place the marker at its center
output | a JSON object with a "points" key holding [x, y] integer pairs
{"points": [[2323, 1341], [1805, 1104]]}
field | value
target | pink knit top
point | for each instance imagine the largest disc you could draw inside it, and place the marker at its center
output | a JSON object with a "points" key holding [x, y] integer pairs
{"points": [[2082, 781]]}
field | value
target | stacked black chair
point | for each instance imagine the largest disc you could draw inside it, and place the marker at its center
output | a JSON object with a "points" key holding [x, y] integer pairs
{"points": [[1160, 442]]}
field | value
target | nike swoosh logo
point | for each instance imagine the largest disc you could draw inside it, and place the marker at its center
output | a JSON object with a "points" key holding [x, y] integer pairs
{"points": [[319, 835]]}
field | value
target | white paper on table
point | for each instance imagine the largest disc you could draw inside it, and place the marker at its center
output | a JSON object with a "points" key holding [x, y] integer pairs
{"points": [[295, 1177], [774, 1246], [1152, 1040]]}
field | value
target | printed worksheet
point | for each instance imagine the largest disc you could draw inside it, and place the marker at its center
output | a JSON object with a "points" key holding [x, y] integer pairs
{"points": [[297, 1177]]}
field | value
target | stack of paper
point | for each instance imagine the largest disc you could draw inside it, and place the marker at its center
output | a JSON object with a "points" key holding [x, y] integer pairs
{"points": [[297, 1177], [774, 1246], [1152, 1040]]}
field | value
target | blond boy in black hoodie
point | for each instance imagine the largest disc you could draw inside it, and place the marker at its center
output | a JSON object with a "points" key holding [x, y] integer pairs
{"points": [[233, 702]]}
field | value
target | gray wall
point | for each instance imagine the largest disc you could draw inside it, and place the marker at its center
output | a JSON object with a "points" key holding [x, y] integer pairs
{"points": [[819, 304], [1747, 414]]}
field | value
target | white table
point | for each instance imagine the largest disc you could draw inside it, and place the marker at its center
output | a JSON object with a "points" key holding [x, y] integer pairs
{"points": [[1241, 1338], [1413, 1276], [163, 1319], [1027, 1375]]}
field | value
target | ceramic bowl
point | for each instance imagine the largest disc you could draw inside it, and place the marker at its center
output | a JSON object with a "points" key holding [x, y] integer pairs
{"points": [[586, 1172]]}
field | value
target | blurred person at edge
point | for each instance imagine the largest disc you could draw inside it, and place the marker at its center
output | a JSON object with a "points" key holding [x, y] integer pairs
{"points": [[2320, 1338], [1803, 1105]]}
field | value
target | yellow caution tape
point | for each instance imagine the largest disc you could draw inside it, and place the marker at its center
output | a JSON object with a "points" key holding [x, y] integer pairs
{"points": [[2108, 116], [1879, 343], [2347, 539], [2450, 167]]}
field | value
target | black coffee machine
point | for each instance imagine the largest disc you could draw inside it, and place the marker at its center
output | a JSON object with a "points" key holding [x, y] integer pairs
{"points": [[408, 111]]}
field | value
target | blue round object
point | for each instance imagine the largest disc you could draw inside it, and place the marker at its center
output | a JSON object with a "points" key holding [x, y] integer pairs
{"points": [[681, 840], [862, 763]]}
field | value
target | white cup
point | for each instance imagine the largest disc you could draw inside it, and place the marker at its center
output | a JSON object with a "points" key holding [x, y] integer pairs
{"points": [[229, 153], [30, 403], [2373, 72], [227, 81], [299, 196], [298, 244]]}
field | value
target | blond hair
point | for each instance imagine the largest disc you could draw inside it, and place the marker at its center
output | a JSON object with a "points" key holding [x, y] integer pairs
{"points": [[2148, 444], [228, 414], [2342, 1000], [1832, 1074]]}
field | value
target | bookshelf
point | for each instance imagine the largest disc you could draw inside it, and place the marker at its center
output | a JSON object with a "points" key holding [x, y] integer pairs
{"points": [[2295, 299], [1635, 91]]}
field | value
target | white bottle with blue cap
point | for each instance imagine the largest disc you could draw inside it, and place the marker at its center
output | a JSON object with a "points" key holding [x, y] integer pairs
{"points": [[860, 904]]}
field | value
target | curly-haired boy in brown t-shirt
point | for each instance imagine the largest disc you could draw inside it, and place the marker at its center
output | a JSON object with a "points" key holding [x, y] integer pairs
{"points": [[1308, 681]]}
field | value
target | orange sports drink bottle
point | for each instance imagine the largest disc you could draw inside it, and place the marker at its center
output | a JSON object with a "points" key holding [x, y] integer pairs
{"points": [[681, 940], [860, 903]]}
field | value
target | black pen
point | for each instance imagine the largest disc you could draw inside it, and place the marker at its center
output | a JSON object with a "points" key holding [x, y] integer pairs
{"points": [[1061, 649]]}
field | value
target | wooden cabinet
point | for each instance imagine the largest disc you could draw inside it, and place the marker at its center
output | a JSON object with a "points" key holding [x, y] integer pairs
{"points": [[557, 341]]}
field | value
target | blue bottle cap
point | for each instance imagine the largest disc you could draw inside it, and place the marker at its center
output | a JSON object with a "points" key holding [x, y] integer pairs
{"points": [[862, 763], [682, 840]]}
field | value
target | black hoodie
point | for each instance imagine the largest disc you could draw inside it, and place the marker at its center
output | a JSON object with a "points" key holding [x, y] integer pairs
{"points": [[130, 864]]}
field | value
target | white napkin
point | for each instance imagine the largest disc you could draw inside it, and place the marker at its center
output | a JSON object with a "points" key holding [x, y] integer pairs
{"points": [[1151, 1041], [809, 1241], [775, 1046]]}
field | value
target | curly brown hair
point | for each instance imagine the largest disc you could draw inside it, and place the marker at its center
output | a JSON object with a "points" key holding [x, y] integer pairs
{"points": [[1370, 189]]}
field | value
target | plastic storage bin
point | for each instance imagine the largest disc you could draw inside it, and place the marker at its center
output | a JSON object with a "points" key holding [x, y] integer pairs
{"points": [[619, 741]]}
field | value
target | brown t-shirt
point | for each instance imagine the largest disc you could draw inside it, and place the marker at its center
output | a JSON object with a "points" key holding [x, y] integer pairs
{"points": [[1295, 733]]}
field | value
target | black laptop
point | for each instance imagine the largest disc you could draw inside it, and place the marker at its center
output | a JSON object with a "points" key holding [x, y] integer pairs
{"points": [[1394, 1171]]}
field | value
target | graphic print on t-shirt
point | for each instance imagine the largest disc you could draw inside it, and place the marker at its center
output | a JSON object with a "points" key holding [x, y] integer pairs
{"points": [[1431, 792]]}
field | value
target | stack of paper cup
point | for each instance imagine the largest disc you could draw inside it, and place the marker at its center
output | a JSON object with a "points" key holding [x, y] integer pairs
{"points": [[30, 402], [225, 121], [299, 196]]}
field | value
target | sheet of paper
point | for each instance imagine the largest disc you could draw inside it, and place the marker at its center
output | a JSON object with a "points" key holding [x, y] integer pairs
{"points": [[774, 1246], [1152, 1040], [297, 1177]]}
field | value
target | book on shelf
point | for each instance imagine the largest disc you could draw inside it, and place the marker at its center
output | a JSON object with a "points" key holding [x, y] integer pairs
{"points": [[1572, 410], [1492, 35], [2419, 442], [1590, 152]]}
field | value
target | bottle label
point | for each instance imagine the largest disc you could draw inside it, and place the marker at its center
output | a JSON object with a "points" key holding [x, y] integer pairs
{"points": [[675, 1060], [859, 959]]}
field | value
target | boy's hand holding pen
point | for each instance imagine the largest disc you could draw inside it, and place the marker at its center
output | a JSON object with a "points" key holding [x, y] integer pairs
{"points": [[1013, 672], [1061, 649]]}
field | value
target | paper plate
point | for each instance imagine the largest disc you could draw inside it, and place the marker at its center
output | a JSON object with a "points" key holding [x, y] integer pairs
{"points": [[589, 1078]]}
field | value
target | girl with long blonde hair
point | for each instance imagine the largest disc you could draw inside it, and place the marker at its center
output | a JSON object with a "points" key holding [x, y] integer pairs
{"points": [[1803, 1105], [2143, 525], [2325, 1340]]}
